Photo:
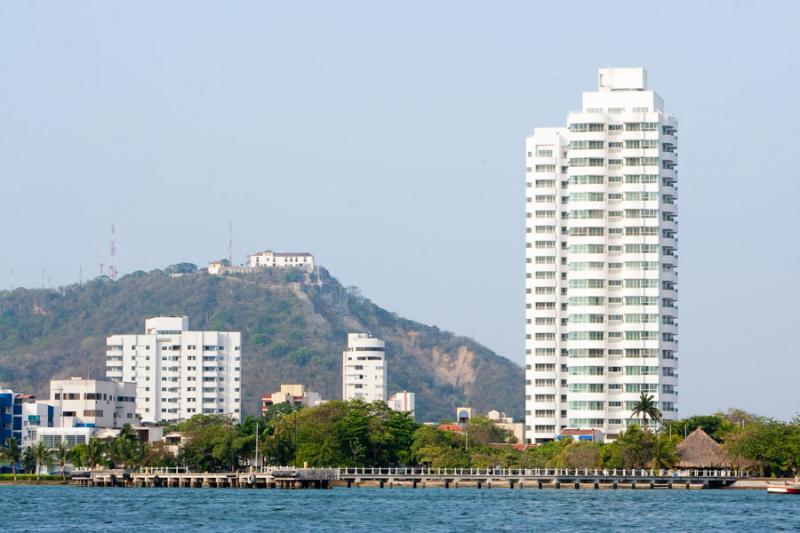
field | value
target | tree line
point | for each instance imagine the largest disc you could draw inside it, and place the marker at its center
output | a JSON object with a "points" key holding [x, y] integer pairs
{"points": [[356, 434]]}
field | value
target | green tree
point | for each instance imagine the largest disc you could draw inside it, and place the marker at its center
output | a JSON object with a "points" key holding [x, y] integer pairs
{"points": [[12, 453], [664, 451], [43, 455], [61, 454], [482, 431], [95, 453], [581, 455], [717, 426], [547, 455], [77, 455], [645, 406], [126, 449], [773, 446], [28, 460], [635, 447]]}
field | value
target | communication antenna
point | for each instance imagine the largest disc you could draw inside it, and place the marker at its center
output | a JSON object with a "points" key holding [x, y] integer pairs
{"points": [[80, 275], [101, 269], [112, 270], [12, 279], [230, 243]]}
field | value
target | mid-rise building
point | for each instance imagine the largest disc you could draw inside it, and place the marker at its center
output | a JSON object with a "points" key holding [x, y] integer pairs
{"points": [[601, 261], [364, 368], [293, 394], [403, 401], [93, 403], [10, 416], [178, 373]]}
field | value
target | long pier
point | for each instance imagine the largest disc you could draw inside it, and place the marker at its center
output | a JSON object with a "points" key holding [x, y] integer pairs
{"points": [[481, 478]]}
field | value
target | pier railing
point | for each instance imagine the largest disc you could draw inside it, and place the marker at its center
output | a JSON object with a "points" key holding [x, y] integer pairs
{"points": [[541, 472], [379, 472]]}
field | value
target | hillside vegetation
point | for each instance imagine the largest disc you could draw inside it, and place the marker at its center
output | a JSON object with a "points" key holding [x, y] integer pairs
{"points": [[294, 327]]}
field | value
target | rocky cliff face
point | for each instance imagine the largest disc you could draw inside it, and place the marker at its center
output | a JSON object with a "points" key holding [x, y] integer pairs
{"points": [[294, 328]]}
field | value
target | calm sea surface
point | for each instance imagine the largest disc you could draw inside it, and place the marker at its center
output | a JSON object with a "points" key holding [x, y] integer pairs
{"points": [[372, 509]]}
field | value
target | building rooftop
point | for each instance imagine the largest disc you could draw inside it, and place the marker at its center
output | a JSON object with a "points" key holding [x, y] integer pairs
{"points": [[622, 79]]}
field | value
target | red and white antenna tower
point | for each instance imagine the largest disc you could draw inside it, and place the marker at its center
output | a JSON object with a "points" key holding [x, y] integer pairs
{"points": [[112, 269]]}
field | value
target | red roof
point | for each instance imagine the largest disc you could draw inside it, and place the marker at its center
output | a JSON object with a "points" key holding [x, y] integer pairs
{"points": [[451, 427]]}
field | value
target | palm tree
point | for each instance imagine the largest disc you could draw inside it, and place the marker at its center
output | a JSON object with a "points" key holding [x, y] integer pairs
{"points": [[62, 455], [42, 454], [12, 453], [94, 453], [645, 406], [664, 454]]}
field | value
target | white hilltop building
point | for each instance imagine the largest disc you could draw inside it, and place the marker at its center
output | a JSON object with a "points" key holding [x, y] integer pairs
{"points": [[270, 259], [601, 279], [265, 259]]}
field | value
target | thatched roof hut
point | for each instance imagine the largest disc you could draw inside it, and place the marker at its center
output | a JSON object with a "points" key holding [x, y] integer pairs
{"points": [[698, 450]]}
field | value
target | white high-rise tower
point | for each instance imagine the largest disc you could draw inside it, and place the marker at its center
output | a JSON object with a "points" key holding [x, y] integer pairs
{"points": [[364, 368], [178, 373], [601, 261]]}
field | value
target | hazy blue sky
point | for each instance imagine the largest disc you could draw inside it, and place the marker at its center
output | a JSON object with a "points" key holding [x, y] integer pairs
{"points": [[388, 139]]}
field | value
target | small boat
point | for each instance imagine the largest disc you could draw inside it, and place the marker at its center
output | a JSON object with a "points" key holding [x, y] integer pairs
{"points": [[787, 487]]}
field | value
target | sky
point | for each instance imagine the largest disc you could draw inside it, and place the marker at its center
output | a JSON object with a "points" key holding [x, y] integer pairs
{"points": [[387, 138]]}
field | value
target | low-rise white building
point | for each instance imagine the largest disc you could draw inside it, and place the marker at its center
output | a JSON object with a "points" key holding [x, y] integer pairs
{"points": [[402, 401], [364, 368], [71, 436], [37, 415], [93, 403]]}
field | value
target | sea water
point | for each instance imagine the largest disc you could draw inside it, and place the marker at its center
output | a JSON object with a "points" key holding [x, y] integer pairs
{"points": [[67, 508]]}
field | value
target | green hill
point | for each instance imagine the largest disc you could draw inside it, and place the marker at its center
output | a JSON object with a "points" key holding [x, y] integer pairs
{"points": [[294, 327]]}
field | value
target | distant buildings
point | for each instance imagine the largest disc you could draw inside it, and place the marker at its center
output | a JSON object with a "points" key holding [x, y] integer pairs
{"points": [[463, 414], [507, 423], [403, 401], [265, 259], [295, 395], [364, 368], [601, 302], [93, 403], [178, 373]]}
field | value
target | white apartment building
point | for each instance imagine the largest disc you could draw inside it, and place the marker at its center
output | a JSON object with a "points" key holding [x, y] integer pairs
{"points": [[364, 368], [270, 259], [601, 261], [93, 403], [403, 401], [178, 373]]}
